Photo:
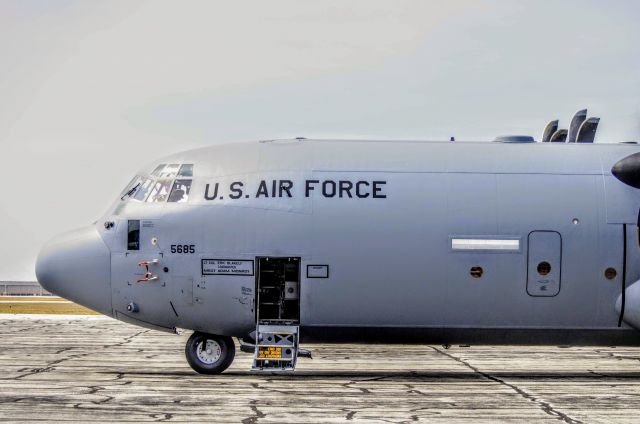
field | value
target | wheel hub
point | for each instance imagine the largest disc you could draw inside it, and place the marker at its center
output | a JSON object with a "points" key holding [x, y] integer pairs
{"points": [[208, 351]]}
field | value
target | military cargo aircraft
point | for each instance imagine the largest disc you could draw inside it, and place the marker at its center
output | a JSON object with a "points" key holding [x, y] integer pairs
{"points": [[285, 241]]}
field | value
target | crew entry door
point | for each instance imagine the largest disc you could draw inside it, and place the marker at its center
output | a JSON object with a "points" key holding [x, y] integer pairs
{"points": [[544, 261], [277, 313], [278, 286]]}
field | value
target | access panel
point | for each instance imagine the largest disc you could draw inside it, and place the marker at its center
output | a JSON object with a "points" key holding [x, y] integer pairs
{"points": [[544, 263]]}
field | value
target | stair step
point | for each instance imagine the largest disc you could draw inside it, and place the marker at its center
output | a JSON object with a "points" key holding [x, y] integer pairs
{"points": [[276, 348]]}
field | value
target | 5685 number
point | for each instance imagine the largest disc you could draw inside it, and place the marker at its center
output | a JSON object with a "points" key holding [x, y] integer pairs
{"points": [[183, 248]]}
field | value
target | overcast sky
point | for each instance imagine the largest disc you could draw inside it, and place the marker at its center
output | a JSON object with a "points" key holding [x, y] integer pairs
{"points": [[91, 91]]}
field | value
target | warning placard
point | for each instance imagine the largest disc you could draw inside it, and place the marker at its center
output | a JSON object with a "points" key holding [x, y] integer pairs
{"points": [[269, 352], [227, 267]]}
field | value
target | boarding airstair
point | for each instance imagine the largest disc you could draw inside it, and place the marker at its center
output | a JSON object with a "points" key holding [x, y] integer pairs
{"points": [[276, 347]]}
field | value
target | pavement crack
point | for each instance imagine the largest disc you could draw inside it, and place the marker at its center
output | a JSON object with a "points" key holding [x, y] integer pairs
{"points": [[51, 365], [597, 373], [126, 340], [163, 417], [544, 406], [257, 414], [348, 385], [94, 390], [382, 377], [270, 390]]}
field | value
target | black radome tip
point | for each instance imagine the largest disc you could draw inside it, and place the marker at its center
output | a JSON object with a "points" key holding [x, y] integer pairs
{"points": [[627, 170]]}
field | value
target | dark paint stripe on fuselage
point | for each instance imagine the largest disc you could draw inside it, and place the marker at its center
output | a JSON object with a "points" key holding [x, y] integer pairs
{"points": [[474, 336]]}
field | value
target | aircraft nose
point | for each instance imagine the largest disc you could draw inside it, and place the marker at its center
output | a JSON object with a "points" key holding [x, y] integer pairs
{"points": [[77, 266]]}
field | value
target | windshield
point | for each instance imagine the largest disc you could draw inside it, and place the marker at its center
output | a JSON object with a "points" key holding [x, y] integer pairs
{"points": [[160, 191], [143, 190], [130, 191], [130, 188], [167, 183]]}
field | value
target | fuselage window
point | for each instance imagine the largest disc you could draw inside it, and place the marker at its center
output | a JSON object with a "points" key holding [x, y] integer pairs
{"points": [[133, 235], [156, 172], [170, 171], [160, 191], [143, 190], [180, 191], [186, 170]]}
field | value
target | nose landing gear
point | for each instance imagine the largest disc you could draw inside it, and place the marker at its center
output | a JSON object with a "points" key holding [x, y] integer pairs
{"points": [[208, 353]]}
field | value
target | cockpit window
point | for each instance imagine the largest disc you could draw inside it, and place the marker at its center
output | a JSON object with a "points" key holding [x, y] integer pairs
{"points": [[160, 191], [130, 185], [143, 190], [167, 183], [130, 191], [180, 191], [159, 168], [130, 188], [186, 170], [170, 171]]}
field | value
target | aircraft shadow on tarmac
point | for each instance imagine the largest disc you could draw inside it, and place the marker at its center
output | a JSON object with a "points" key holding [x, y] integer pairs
{"points": [[400, 375]]}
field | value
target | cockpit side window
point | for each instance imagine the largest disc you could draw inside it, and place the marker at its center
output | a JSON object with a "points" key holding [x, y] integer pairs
{"points": [[160, 191], [180, 191]]}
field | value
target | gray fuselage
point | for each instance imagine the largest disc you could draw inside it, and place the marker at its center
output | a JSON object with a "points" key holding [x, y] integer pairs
{"points": [[427, 241]]}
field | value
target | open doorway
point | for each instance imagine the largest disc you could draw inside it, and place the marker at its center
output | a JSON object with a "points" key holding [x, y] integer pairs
{"points": [[278, 289]]}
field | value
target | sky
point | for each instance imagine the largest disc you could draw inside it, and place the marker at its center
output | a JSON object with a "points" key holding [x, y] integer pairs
{"points": [[92, 91]]}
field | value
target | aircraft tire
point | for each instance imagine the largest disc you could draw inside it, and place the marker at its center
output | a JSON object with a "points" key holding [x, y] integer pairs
{"points": [[208, 353]]}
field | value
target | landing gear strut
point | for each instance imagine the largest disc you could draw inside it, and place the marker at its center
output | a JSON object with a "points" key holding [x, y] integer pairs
{"points": [[208, 353]]}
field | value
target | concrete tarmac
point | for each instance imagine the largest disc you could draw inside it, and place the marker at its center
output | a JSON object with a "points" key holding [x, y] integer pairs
{"points": [[95, 369]]}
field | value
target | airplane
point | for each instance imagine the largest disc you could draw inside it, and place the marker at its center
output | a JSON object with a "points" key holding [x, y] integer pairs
{"points": [[282, 242]]}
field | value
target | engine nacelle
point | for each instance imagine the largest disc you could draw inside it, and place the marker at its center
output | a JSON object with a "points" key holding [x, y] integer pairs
{"points": [[631, 305]]}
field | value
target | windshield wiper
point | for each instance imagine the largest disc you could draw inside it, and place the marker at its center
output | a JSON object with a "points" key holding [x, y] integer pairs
{"points": [[130, 192]]}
